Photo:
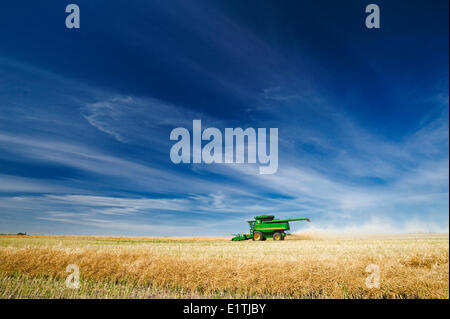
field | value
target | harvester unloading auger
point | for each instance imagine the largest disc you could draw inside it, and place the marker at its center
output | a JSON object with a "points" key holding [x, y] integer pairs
{"points": [[266, 226]]}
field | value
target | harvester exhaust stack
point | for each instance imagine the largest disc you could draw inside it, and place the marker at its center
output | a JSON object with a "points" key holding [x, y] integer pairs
{"points": [[266, 226]]}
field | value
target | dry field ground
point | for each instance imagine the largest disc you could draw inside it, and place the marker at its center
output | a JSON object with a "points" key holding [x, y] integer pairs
{"points": [[413, 266]]}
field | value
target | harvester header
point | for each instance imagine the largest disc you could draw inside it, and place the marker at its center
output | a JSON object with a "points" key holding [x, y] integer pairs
{"points": [[266, 226]]}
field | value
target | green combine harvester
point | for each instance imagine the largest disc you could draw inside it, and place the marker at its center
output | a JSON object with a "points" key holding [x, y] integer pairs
{"points": [[266, 226]]}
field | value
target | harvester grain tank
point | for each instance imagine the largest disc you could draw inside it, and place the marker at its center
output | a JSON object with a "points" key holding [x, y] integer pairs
{"points": [[266, 226]]}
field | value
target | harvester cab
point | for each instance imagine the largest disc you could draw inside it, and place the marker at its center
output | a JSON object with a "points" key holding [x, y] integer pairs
{"points": [[266, 226]]}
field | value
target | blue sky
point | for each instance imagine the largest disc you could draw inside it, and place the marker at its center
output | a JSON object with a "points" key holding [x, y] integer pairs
{"points": [[86, 114]]}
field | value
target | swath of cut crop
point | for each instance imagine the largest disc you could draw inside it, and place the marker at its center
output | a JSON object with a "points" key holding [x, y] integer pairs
{"points": [[413, 267]]}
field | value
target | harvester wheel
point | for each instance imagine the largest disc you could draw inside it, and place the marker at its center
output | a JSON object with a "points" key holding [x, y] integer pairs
{"points": [[257, 235], [277, 236]]}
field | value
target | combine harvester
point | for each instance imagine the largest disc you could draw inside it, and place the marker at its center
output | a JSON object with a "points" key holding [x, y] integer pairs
{"points": [[266, 226]]}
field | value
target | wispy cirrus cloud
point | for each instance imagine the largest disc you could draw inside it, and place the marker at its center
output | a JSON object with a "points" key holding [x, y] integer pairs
{"points": [[84, 146]]}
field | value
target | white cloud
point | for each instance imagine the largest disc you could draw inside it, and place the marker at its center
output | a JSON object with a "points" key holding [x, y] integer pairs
{"points": [[374, 226]]}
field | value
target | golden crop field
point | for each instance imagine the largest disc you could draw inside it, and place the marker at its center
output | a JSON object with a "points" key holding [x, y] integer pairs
{"points": [[414, 266]]}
